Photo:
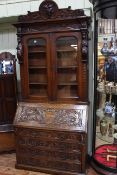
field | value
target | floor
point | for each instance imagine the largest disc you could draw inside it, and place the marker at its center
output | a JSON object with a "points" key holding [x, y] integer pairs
{"points": [[7, 167]]}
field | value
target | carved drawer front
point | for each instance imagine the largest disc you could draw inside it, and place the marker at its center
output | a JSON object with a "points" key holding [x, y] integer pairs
{"points": [[53, 159], [63, 151], [53, 135]]}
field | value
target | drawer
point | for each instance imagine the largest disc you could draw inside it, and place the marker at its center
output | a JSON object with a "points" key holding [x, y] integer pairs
{"points": [[40, 134], [49, 163], [65, 157], [49, 144], [52, 153]]}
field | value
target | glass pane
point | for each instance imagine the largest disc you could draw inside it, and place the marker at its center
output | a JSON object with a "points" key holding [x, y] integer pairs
{"points": [[37, 60], [67, 66], [37, 44], [106, 108], [37, 52]]}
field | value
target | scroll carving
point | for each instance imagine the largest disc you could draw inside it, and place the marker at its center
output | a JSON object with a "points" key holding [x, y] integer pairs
{"points": [[58, 14]]}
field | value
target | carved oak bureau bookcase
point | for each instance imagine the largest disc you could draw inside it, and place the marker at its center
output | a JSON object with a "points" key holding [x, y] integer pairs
{"points": [[53, 55]]}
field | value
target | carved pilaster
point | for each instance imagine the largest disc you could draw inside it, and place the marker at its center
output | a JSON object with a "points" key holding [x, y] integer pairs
{"points": [[20, 50], [84, 46]]}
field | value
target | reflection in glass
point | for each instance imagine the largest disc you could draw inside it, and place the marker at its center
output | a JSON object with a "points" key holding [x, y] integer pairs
{"points": [[37, 44], [6, 67]]}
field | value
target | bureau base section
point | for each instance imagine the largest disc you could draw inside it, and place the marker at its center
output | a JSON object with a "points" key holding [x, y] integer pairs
{"points": [[51, 138]]}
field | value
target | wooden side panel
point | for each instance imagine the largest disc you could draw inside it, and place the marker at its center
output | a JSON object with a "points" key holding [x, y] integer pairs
{"points": [[8, 99], [1, 101], [7, 141]]}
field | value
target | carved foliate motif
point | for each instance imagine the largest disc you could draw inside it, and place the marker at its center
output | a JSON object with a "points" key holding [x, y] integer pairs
{"points": [[52, 117], [30, 114], [66, 13]]}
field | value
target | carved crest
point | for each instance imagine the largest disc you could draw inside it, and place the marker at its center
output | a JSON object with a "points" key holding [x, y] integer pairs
{"points": [[48, 8]]}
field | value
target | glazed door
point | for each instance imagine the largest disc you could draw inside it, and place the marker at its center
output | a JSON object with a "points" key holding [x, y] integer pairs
{"points": [[66, 58], [52, 65], [37, 67]]}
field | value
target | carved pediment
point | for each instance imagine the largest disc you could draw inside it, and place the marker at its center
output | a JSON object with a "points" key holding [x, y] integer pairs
{"points": [[48, 9], [49, 18]]}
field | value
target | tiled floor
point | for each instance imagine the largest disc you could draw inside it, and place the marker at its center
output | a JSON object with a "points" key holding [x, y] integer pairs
{"points": [[7, 167]]}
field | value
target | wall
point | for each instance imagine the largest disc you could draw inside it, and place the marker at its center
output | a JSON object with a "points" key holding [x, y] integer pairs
{"points": [[10, 9], [22, 6]]}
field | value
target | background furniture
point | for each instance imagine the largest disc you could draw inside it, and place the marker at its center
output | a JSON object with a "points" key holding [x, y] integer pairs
{"points": [[8, 100]]}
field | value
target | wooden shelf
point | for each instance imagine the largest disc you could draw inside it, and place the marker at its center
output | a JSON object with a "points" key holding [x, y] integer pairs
{"points": [[67, 84], [37, 67], [32, 52], [65, 50], [67, 67], [38, 83]]}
